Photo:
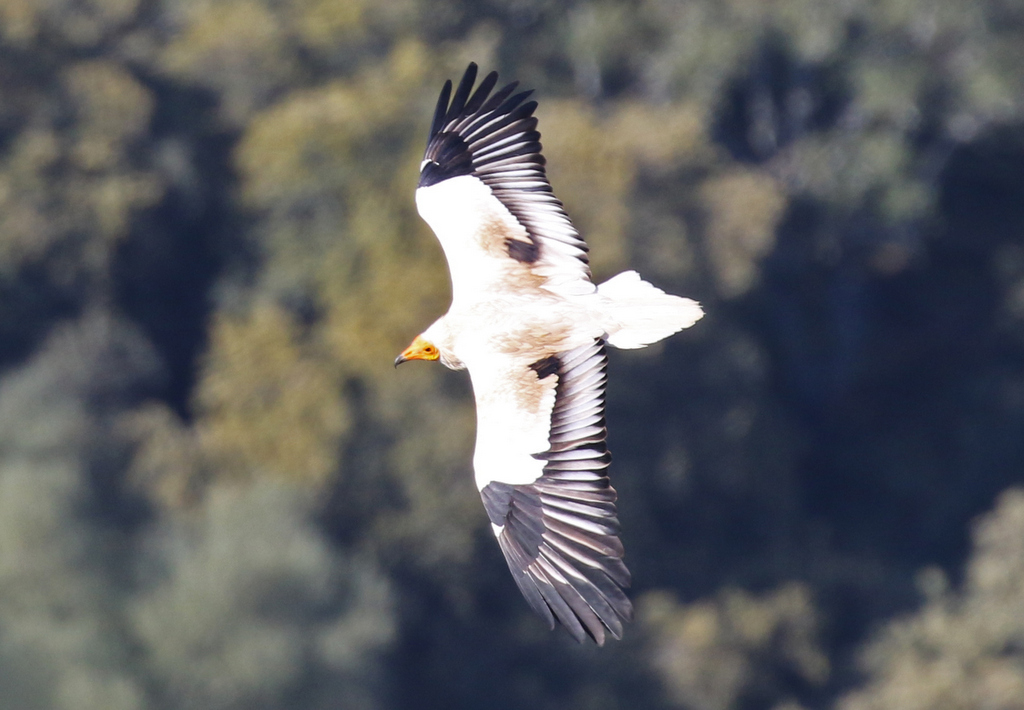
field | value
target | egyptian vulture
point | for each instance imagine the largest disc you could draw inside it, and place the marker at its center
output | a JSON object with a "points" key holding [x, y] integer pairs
{"points": [[531, 327]]}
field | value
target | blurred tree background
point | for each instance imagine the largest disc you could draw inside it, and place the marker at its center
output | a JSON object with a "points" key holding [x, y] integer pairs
{"points": [[216, 493]]}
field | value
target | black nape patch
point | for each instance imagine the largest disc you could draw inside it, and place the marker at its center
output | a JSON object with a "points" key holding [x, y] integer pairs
{"points": [[526, 252], [546, 366]]}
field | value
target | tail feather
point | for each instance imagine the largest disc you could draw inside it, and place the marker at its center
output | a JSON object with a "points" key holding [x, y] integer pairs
{"points": [[638, 314]]}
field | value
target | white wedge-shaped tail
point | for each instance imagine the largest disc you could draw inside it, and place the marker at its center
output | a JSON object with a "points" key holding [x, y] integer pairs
{"points": [[637, 313]]}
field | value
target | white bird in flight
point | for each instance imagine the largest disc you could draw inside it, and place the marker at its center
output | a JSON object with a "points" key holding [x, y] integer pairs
{"points": [[531, 327]]}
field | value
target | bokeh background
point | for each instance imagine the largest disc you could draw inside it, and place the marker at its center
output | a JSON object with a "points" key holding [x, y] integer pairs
{"points": [[217, 493]]}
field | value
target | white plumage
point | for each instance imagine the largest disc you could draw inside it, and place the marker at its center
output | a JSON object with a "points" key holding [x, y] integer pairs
{"points": [[530, 326]]}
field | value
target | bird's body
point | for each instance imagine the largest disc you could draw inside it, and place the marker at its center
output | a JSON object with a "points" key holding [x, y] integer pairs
{"points": [[530, 326]]}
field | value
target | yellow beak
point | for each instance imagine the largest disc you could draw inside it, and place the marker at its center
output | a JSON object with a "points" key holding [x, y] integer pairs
{"points": [[419, 350]]}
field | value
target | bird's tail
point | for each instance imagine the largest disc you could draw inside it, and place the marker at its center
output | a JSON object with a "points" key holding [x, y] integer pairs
{"points": [[638, 314]]}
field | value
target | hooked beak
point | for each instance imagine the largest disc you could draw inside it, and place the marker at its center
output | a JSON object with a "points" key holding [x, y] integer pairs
{"points": [[419, 350]]}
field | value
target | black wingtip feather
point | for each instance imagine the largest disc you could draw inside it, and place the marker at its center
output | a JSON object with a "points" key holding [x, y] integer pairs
{"points": [[514, 101], [461, 93], [528, 586], [441, 109], [558, 604], [481, 93], [499, 96]]}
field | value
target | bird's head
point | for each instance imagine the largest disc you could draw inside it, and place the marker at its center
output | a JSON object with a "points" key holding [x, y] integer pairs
{"points": [[435, 343], [420, 349]]}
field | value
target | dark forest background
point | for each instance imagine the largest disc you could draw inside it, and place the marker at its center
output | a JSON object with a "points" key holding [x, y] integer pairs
{"points": [[217, 493]]}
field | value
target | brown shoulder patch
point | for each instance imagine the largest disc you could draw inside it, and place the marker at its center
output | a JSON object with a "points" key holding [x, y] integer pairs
{"points": [[532, 392], [510, 241], [495, 234], [535, 341]]}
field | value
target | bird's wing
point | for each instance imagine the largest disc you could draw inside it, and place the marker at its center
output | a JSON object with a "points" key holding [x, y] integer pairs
{"points": [[484, 192], [541, 463]]}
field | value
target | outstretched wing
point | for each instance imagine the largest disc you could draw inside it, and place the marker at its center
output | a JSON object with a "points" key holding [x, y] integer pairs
{"points": [[484, 192], [550, 502]]}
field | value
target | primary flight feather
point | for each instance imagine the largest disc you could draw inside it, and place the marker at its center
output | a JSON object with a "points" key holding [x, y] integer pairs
{"points": [[531, 327]]}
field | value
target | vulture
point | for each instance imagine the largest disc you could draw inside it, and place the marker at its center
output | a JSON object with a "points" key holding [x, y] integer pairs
{"points": [[532, 329]]}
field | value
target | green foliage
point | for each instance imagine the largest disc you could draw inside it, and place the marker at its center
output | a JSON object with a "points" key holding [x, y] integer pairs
{"points": [[962, 649], [241, 504], [80, 24], [237, 48], [63, 645], [245, 601], [744, 209], [59, 183], [235, 601], [711, 654], [266, 406]]}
